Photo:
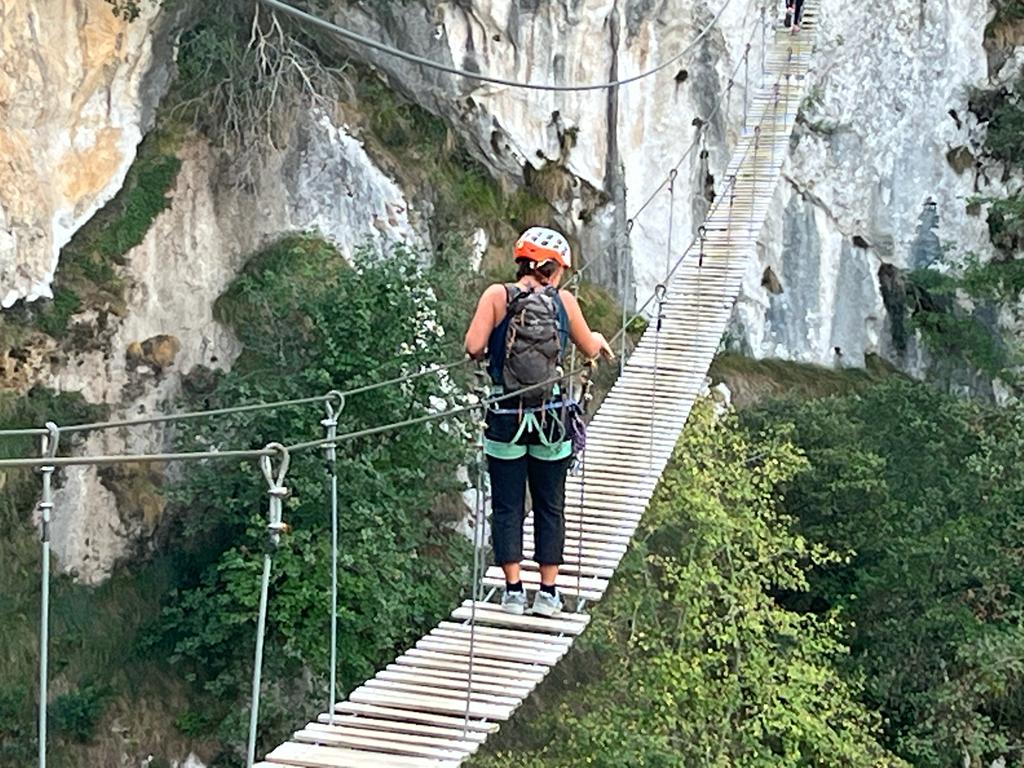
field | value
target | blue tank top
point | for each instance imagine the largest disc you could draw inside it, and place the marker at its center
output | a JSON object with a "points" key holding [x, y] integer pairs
{"points": [[496, 342]]}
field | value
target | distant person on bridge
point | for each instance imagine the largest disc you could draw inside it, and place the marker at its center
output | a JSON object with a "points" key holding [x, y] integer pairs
{"points": [[794, 14], [523, 328]]}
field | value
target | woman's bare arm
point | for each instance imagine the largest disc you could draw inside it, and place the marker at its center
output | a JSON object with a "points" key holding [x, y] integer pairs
{"points": [[484, 320], [590, 343]]}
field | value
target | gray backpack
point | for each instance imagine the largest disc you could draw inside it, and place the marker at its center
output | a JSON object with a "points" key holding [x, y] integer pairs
{"points": [[533, 347]]}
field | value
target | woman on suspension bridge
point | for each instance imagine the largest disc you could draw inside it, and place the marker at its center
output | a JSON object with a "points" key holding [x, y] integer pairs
{"points": [[794, 14], [523, 329]]}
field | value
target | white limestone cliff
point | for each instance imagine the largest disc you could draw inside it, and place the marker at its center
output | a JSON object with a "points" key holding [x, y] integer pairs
{"points": [[78, 86], [323, 181]]}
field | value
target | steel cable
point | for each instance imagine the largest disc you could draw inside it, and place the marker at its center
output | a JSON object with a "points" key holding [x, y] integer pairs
{"points": [[369, 431], [376, 45]]}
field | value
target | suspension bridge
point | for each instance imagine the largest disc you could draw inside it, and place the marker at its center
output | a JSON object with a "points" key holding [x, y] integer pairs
{"points": [[437, 703]]}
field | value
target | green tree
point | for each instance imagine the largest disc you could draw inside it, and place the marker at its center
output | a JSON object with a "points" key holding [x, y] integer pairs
{"points": [[691, 660], [925, 492], [310, 322]]}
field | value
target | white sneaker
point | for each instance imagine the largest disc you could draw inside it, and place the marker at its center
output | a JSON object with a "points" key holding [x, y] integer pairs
{"points": [[514, 602], [547, 605]]}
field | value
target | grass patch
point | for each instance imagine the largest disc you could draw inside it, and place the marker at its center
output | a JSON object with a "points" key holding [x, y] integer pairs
{"points": [[751, 381], [424, 148], [88, 275]]}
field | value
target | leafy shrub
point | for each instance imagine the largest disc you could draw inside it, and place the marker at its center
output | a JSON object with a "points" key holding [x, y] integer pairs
{"points": [[691, 660], [924, 490], [310, 322], [17, 737], [76, 714], [955, 336], [1006, 223]]}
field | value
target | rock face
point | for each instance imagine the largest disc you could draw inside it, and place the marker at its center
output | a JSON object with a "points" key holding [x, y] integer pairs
{"points": [[611, 154], [880, 170], [878, 177], [325, 181], [877, 180], [78, 87]]}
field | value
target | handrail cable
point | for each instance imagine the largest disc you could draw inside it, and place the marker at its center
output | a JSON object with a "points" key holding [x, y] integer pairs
{"points": [[355, 37], [64, 461], [369, 431], [192, 415]]}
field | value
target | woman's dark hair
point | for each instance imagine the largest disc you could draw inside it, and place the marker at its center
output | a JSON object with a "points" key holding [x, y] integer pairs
{"points": [[526, 267]]}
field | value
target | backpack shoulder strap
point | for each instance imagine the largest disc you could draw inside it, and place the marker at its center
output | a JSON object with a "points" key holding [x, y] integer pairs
{"points": [[512, 292]]}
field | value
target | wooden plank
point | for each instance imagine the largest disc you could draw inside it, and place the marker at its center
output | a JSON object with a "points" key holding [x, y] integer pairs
{"points": [[438, 704], [365, 723], [508, 685], [314, 756], [568, 624], [486, 650], [372, 742], [397, 687], [455, 743], [459, 662], [505, 634], [399, 714]]}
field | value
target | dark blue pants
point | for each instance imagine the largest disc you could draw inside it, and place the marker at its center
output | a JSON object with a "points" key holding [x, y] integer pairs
{"points": [[794, 12], [546, 479]]}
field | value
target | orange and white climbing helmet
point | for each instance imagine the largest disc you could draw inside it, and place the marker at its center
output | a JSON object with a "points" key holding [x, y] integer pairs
{"points": [[540, 244]]}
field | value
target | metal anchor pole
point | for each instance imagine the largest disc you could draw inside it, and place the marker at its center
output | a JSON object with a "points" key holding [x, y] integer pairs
{"points": [[277, 492], [330, 425], [50, 442]]}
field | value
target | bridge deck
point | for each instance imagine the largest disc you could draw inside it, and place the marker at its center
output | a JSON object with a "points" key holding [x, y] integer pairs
{"points": [[412, 713]]}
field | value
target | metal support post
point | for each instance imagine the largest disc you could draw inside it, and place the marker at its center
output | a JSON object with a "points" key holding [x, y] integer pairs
{"points": [[671, 217], [625, 301], [753, 196], [330, 425], [732, 201], [50, 442], [479, 552], [764, 41], [659, 295], [276, 492], [746, 84]]}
